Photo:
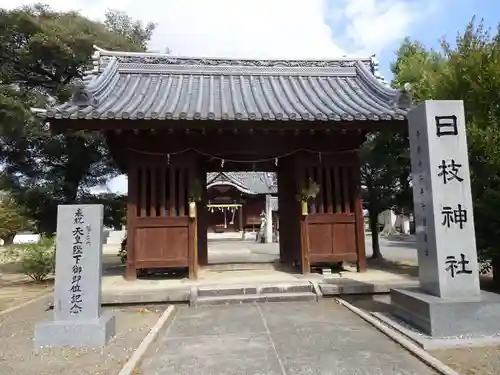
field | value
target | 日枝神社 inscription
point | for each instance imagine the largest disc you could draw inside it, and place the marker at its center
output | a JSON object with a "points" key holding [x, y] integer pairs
{"points": [[444, 225], [443, 204], [77, 291], [449, 171]]}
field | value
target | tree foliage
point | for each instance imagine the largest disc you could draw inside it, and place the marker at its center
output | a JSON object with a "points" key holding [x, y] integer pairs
{"points": [[134, 31], [114, 208], [384, 176], [12, 220], [37, 260], [467, 69], [43, 53]]}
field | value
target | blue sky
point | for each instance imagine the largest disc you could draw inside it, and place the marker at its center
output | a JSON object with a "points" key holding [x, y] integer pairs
{"points": [[291, 28], [447, 23]]}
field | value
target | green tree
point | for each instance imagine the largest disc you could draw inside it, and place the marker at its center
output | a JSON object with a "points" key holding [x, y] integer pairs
{"points": [[43, 54], [386, 166], [382, 157], [12, 220], [468, 69], [134, 31], [114, 208], [419, 67]]}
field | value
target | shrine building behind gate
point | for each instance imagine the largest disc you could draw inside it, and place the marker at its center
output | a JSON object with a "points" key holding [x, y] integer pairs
{"points": [[237, 201], [171, 120]]}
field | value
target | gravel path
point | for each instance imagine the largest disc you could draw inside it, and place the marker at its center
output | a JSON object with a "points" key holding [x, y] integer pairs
{"points": [[17, 355], [471, 361]]}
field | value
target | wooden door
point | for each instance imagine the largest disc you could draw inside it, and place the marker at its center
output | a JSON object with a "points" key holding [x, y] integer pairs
{"points": [[331, 230], [160, 232]]}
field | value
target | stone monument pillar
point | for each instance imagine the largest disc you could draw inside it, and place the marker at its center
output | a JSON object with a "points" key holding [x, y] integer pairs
{"points": [[449, 301], [77, 294]]}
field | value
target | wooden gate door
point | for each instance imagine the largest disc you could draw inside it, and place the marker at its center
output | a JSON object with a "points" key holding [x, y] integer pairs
{"points": [[160, 232], [333, 231]]}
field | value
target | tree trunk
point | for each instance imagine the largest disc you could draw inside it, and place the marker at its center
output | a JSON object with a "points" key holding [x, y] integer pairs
{"points": [[8, 239], [495, 266], [373, 216]]}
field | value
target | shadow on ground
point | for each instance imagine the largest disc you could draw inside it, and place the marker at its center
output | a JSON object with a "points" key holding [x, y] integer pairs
{"points": [[393, 266], [488, 285], [49, 282], [374, 303], [408, 244], [10, 268]]}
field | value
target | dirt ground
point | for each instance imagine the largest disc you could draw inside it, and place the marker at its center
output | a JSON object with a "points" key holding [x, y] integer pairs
{"points": [[471, 361], [16, 288], [12, 295], [18, 355]]}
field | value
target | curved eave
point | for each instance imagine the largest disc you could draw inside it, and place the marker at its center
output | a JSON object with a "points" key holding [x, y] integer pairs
{"points": [[230, 183], [355, 95], [224, 178]]}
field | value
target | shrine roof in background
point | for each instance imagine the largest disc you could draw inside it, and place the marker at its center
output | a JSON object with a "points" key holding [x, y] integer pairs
{"points": [[152, 86], [247, 182]]}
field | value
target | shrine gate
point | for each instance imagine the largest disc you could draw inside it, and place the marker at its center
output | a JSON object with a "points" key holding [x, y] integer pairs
{"points": [[169, 121]]}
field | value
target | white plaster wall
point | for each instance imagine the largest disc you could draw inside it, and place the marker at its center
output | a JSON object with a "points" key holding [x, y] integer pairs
{"points": [[25, 238]]}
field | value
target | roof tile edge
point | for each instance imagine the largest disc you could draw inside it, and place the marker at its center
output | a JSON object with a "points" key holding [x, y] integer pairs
{"points": [[200, 60]]}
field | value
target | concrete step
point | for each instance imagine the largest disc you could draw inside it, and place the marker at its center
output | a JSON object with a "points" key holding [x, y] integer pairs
{"points": [[225, 267], [286, 288], [249, 298], [226, 291], [278, 288], [221, 294]]}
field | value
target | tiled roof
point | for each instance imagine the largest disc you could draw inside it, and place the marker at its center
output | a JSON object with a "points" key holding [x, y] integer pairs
{"points": [[152, 86], [250, 182]]}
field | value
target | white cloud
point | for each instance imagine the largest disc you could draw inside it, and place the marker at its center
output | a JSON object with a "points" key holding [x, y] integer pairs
{"points": [[262, 28], [369, 26], [118, 184]]}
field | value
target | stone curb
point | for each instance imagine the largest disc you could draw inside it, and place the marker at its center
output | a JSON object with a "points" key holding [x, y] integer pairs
{"points": [[135, 359], [316, 289], [340, 287], [36, 299], [418, 352]]}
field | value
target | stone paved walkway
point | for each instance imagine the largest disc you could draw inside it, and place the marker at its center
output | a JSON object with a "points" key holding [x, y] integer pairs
{"points": [[276, 339]]}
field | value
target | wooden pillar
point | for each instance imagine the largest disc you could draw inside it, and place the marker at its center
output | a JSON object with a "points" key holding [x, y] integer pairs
{"points": [[305, 264], [193, 249], [131, 271], [360, 220], [202, 220], [282, 206], [294, 211], [192, 229]]}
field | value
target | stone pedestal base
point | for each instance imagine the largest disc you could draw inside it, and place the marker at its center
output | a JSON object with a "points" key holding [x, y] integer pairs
{"points": [[92, 333], [438, 317]]}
